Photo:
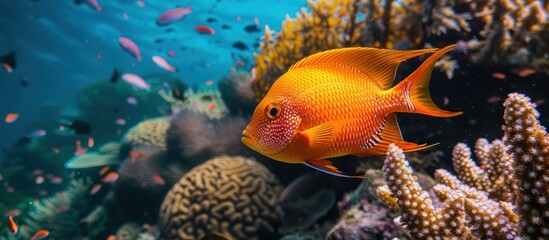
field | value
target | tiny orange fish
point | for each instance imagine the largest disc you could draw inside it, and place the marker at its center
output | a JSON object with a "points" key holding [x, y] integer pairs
{"points": [[526, 72], [11, 117], [498, 75], [212, 106], [95, 189], [55, 150], [209, 83], [40, 234], [341, 102], [158, 180], [12, 226], [111, 237], [79, 149], [110, 177], [90, 142], [104, 170]]}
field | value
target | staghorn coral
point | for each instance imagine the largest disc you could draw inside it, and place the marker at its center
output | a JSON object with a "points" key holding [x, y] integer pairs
{"points": [[529, 145], [61, 213], [148, 132], [232, 195], [511, 172], [511, 33]]}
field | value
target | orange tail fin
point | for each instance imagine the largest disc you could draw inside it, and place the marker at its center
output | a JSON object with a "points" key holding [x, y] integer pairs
{"points": [[418, 86]]}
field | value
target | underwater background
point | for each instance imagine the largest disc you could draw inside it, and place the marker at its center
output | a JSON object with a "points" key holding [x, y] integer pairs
{"points": [[123, 120]]}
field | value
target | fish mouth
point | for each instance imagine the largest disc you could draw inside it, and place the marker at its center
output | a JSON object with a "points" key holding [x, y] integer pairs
{"points": [[248, 139]]}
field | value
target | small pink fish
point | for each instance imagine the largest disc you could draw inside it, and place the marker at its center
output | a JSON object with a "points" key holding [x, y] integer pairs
{"points": [[130, 47], [173, 15], [13, 212], [172, 54], [92, 3], [125, 15], [38, 133], [120, 121], [39, 180], [136, 81], [131, 101], [162, 63], [203, 29], [56, 180], [7, 67], [141, 3], [95, 188]]}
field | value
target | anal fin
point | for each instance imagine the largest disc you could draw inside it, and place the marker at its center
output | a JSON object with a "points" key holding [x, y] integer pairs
{"points": [[391, 134], [326, 166]]}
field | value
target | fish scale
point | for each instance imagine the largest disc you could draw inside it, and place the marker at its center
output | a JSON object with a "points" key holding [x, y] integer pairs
{"points": [[341, 102]]}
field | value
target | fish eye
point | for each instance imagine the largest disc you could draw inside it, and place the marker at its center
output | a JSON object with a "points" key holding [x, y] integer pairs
{"points": [[272, 111]]}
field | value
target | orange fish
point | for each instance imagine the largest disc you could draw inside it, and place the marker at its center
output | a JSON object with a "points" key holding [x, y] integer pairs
{"points": [[158, 180], [12, 226], [104, 170], [110, 177], [40, 234], [90, 142], [11, 117], [95, 189], [341, 102], [111, 237]]}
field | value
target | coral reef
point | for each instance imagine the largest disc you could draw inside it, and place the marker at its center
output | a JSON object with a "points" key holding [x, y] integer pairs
{"points": [[205, 101], [362, 216], [143, 181], [195, 138], [61, 213], [236, 92], [235, 196], [506, 32], [529, 146], [151, 132], [481, 203]]}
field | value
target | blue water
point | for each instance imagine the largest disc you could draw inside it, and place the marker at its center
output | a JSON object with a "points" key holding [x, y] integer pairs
{"points": [[57, 43]]}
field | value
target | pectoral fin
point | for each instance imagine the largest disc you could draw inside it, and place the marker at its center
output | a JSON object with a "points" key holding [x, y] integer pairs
{"points": [[324, 133], [327, 167]]}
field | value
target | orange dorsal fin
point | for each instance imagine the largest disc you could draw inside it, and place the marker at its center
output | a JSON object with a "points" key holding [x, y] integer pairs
{"points": [[416, 86], [391, 134], [379, 64]]}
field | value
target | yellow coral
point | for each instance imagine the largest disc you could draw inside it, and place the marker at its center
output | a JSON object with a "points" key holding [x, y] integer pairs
{"points": [[515, 32], [149, 132]]}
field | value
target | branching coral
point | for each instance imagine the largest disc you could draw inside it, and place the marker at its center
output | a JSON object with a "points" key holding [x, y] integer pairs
{"points": [[61, 213], [529, 145], [505, 32], [232, 195], [482, 199]]}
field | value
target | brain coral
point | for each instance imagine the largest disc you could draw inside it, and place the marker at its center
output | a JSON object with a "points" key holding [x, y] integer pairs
{"points": [[150, 132], [232, 195]]}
